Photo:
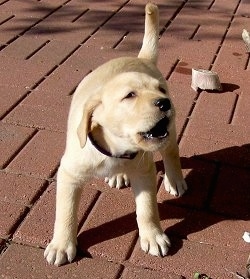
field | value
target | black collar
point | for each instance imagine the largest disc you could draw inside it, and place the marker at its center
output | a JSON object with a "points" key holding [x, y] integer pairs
{"points": [[129, 156]]}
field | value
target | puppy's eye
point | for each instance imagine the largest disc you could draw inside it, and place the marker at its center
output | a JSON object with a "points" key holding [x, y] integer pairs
{"points": [[130, 95], [163, 90]]}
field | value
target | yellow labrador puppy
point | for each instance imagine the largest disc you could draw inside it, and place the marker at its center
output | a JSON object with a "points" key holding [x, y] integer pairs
{"points": [[120, 114]]}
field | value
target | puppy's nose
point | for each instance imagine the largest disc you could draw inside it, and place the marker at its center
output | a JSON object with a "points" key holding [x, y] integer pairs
{"points": [[163, 104]]}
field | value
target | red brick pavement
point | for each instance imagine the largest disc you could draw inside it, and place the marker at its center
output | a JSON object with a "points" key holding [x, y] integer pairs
{"points": [[46, 48]]}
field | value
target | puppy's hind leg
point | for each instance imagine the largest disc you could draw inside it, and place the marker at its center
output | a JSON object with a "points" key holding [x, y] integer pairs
{"points": [[118, 180], [62, 248]]}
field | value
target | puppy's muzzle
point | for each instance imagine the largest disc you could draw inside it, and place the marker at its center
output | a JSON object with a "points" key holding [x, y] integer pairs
{"points": [[163, 104], [159, 131]]}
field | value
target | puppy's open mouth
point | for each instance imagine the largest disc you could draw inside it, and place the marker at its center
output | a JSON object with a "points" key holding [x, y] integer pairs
{"points": [[159, 131]]}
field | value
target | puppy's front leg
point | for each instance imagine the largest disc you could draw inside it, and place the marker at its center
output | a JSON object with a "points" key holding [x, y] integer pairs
{"points": [[152, 238], [173, 179], [62, 248]]}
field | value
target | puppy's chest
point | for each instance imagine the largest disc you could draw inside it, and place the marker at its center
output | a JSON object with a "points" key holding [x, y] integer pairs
{"points": [[111, 166]]}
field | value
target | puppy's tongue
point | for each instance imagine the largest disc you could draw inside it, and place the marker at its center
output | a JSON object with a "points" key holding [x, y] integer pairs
{"points": [[159, 130]]}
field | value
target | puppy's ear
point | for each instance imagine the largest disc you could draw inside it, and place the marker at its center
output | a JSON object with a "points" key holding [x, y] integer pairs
{"points": [[84, 126]]}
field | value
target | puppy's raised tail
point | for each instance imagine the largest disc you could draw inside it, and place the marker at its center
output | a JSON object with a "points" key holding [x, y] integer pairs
{"points": [[149, 49]]}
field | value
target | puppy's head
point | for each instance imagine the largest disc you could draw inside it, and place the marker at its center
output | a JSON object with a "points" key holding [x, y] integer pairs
{"points": [[133, 107]]}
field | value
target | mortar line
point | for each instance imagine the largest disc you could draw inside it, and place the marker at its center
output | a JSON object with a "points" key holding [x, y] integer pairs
{"points": [[72, 91], [4, 247], [165, 27], [37, 50], [188, 117], [233, 109], [211, 5], [18, 223], [23, 216], [120, 40], [247, 62], [120, 271], [89, 211], [18, 150], [80, 15], [7, 19], [133, 243], [195, 32], [4, 2], [28, 174], [172, 69], [32, 88]]}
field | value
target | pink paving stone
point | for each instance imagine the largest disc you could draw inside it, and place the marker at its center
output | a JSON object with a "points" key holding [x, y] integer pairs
{"points": [[54, 92], [37, 228], [8, 30], [83, 57], [23, 73], [29, 8], [242, 116], [218, 231], [19, 189], [233, 49], [10, 95], [112, 223], [12, 138], [181, 43], [23, 47], [41, 117], [179, 86], [26, 15], [24, 262], [198, 175], [35, 50], [100, 41], [214, 107], [54, 52], [51, 97], [9, 216], [138, 273], [64, 25], [203, 227], [215, 150], [216, 262], [231, 194], [41, 155], [188, 26], [209, 130]]}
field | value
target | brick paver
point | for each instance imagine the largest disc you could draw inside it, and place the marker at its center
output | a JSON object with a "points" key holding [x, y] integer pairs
{"points": [[46, 48]]}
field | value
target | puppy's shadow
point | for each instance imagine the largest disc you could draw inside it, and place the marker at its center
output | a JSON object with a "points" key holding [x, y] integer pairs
{"points": [[208, 178], [218, 186]]}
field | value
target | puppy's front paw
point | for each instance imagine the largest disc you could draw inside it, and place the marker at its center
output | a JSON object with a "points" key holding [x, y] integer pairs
{"points": [[58, 253], [176, 187], [156, 244], [118, 181]]}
